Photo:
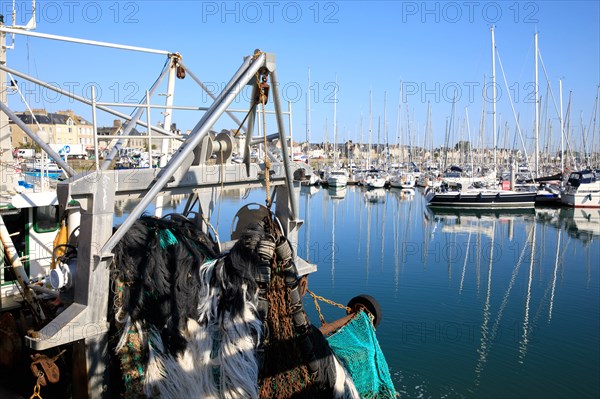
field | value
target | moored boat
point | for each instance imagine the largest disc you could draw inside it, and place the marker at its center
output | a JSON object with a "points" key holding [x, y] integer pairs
{"points": [[582, 190], [337, 178], [481, 198]]}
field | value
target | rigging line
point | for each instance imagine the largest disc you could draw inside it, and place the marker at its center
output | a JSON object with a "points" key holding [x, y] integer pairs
{"points": [[560, 117], [144, 99], [25, 101], [135, 116], [43, 177]]}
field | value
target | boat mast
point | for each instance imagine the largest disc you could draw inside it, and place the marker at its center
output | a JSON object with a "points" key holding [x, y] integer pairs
{"points": [[308, 111], [360, 143], [168, 113], [5, 145], [370, 129], [494, 93], [430, 129], [470, 145], [6, 157], [384, 127], [537, 113], [562, 130], [326, 138], [398, 123], [335, 123]]}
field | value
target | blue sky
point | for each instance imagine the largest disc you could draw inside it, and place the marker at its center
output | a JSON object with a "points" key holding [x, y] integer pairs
{"points": [[434, 48]]}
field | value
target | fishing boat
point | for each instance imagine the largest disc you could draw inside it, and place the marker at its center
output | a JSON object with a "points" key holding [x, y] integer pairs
{"points": [[582, 190], [79, 301]]}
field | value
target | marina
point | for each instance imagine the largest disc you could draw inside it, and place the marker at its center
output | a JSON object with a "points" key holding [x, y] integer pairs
{"points": [[186, 238]]}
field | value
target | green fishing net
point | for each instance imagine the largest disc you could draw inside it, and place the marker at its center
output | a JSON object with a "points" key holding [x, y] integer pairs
{"points": [[356, 345]]}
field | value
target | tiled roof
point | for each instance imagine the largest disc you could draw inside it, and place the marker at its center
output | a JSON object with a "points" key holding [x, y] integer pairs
{"points": [[42, 119]]}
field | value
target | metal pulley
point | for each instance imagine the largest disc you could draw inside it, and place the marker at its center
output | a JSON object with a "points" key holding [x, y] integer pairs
{"points": [[220, 144], [223, 146], [179, 70], [262, 95]]}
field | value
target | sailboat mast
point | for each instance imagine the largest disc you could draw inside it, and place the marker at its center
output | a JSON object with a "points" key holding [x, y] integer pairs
{"points": [[326, 138], [537, 113], [562, 130], [360, 143], [378, 139], [384, 126], [429, 122], [335, 122], [398, 123], [494, 92], [308, 112], [370, 129]]}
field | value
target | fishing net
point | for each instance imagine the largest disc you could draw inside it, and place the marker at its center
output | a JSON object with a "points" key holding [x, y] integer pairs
{"points": [[283, 375], [356, 345]]}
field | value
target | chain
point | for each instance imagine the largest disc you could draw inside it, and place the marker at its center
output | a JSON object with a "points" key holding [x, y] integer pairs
{"points": [[37, 387], [320, 298], [314, 297]]}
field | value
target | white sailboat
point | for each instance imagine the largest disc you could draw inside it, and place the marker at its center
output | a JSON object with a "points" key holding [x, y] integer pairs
{"points": [[493, 197], [336, 177]]}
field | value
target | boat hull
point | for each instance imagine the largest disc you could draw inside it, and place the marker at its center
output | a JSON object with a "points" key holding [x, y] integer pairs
{"points": [[337, 181], [582, 190], [482, 199], [582, 200]]}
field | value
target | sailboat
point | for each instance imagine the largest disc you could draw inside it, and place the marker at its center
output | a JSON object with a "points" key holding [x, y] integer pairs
{"points": [[405, 177], [306, 176], [546, 187], [493, 197], [336, 177]]}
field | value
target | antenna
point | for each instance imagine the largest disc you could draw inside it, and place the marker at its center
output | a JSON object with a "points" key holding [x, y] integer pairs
{"points": [[30, 25]]}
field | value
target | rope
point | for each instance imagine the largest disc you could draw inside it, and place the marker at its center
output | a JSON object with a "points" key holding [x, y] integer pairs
{"points": [[237, 132], [222, 168], [320, 298], [263, 101]]}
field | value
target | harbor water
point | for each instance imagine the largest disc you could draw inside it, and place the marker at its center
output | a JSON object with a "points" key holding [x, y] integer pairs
{"points": [[487, 304]]}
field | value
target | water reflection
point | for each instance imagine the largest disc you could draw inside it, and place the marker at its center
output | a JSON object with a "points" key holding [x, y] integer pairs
{"points": [[375, 196], [403, 194], [516, 258], [336, 192], [579, 223]]}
